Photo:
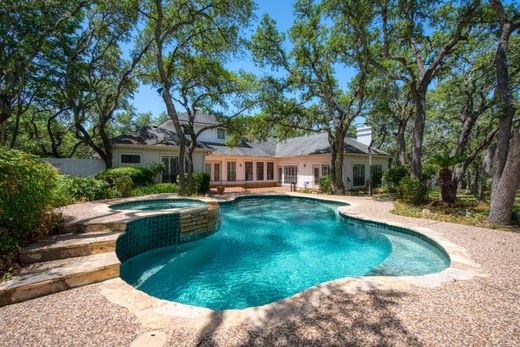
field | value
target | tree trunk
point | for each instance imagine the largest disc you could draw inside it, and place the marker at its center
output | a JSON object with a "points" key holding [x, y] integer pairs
{"points": [[504, 102], [339, 186], [3, 133], [170, 108], [487, 165], [503, 195], [107, 146], [418, 132], [370, 181], [401, 143], [506, 179]]}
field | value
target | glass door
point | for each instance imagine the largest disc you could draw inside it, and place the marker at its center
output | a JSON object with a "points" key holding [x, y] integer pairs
{"points": [[216, 172], [290, 174], [170, 171], [316, 174]]}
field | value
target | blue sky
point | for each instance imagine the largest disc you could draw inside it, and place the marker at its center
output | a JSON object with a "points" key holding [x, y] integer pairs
{"points": [[147, 99]]}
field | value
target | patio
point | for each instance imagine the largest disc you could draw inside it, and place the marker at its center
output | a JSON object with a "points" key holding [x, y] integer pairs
{"points": [[479, 311]]}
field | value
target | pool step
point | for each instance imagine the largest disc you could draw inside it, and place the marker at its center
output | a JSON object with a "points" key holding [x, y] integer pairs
{"points": [[69, 245], [79, 227], [58, 275]]}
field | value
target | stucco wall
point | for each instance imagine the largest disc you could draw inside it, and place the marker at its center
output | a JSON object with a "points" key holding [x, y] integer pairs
{"points": [[154, 155], [77, 167], [305, 166]]}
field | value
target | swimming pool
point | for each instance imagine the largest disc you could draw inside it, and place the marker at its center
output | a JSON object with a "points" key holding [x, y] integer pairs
{"points": [[158, 204], [271, 248]]}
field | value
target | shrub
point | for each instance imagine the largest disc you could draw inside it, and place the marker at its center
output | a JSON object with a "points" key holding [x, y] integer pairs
{"points": [[412, 190], [70, 189], [140, 176], [395, 174], [121, 187], [325, 184], [26, 200], [157, 188], [201, 182]]}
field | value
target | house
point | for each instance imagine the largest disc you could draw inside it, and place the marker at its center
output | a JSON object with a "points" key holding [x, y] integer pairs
{"points": [[300, 160]]}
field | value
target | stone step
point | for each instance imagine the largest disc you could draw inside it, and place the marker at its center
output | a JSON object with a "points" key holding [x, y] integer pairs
{"points": [[76, 228], [58, 275], [69, 245]]}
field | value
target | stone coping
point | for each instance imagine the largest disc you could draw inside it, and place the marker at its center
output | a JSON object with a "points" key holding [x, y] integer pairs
{"points": [[154, 313], [101, 212]]}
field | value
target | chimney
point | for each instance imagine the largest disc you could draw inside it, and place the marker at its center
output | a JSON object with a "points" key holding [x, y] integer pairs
{"points": [[364, 135]]}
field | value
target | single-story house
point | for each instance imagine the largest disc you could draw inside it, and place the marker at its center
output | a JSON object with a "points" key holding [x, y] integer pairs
{"points": [[301, 160]]}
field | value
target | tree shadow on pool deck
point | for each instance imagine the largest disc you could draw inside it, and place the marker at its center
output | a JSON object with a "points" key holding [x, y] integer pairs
{"points": [[341, 319]]}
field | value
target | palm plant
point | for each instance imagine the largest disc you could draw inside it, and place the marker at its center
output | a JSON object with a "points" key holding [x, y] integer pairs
{"points": [[444, 176]]}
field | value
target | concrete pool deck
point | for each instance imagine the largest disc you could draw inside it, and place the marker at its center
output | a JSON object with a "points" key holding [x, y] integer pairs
{"points": [[478, 311]]}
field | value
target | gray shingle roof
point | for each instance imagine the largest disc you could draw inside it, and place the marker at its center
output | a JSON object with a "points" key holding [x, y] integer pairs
{"points": [[200, 118], [150, 136], [297, 146]]}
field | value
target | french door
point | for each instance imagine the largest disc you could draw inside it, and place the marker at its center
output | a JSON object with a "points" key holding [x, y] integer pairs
{"points": [[171, 169]]}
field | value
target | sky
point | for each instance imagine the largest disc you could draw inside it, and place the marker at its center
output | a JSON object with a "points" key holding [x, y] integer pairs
{"points": [[147, 99]]}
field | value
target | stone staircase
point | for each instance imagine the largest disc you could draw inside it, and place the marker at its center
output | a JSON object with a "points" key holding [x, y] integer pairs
{"points": [[63, 261]]}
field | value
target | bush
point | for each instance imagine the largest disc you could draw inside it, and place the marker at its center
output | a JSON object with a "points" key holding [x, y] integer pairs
{"points": [[412, 190], [140, 176], [71, 189], [395, 174], [26, 200], [325, 184], [158, 188], [201, 182], [121, 187]]}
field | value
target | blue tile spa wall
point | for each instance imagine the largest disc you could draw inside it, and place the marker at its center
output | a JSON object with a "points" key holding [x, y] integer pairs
{"points": [[157, 231]]}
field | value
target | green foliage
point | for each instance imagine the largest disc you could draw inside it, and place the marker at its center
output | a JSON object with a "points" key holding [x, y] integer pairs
{"points": [[121, 187], [200, 182], [412, 190], [26, 199], [325, 184], [158, 188], [395, 174], [71, 189], [140, 176]]}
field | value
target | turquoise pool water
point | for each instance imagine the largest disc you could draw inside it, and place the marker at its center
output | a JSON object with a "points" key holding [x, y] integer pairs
{"points": [[271, 248], [161, 204]]}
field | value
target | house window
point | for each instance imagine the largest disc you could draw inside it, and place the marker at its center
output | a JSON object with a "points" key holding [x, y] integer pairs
{"points": [[259, 171], [130, 158], [270, 171], [358, 175], [221, 134], [376, 174], [290, 174], [231, 171], [249, 170], [216, 172], [325, 169], [207, 168]]}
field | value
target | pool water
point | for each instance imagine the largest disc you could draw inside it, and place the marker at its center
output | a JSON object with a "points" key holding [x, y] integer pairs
{"points": [[162, 204], [271, 248]]}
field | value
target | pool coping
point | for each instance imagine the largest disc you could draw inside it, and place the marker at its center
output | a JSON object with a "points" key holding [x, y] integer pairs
{"points": [[155, 313]]}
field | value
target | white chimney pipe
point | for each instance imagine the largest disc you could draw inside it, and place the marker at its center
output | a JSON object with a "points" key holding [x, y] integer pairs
{"points": [[364, 135]]}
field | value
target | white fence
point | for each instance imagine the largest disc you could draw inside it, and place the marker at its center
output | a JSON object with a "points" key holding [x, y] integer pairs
{"points": [[77, 167]]}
